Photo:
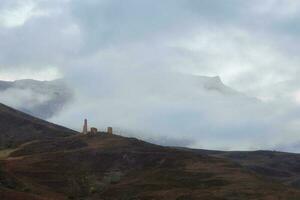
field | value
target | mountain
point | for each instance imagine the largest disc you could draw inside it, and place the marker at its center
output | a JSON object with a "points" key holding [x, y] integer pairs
{"points": [[164, 105], [17, 128], [214, 84], [180, 83], [40, 98], [47, 161]]}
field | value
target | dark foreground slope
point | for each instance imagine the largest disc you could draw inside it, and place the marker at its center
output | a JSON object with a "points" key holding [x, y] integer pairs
{"points": [[117, 168], [17, 128]]}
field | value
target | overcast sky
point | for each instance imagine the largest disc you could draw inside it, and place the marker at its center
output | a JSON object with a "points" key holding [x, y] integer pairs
{"points": [[132, 65]]}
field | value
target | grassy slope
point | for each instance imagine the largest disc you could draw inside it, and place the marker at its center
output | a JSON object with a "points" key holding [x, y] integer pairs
{"points": [[277, 166], [17, 128], [113, 167]]}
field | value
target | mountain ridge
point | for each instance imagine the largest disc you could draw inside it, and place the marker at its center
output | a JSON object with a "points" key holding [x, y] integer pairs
{"points": [[57, 163], [18, 127]]}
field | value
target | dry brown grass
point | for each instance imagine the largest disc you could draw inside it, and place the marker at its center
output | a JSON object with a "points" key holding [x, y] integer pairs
{"points": [[117, 168]]}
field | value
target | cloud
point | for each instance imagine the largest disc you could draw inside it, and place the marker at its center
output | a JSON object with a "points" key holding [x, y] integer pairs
{"points": [[45, 73], [133, 63], [167, 107], [42, 41], [296, 96], [39, 98]]}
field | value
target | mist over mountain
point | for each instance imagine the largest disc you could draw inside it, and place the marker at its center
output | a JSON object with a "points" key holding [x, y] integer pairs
{"points": [[168, 108], [120, 58], [160, 105], [42, 99], [203, 97]]}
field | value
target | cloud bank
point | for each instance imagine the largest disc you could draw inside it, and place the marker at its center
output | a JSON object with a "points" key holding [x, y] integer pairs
{"points": [[134, 65], [43, 99]]}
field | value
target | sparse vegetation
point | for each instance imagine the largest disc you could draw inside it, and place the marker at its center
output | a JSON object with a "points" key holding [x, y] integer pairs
{"points": [[5, 153], [111, 167]]}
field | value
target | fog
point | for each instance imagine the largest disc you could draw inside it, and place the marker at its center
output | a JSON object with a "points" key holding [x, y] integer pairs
{"points": [[139, 65]]}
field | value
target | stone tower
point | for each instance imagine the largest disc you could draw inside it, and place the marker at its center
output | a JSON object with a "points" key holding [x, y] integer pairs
{"points": [[94, 131], [85, 127], [109, 130]]}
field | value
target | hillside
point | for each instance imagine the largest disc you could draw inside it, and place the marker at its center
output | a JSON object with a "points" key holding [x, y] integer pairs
{"points": [[118, 168], [278, 166], [17, 128], [44, 161]]}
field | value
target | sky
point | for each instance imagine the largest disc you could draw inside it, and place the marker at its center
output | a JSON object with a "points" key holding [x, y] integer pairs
{"points": [[137, 65]]}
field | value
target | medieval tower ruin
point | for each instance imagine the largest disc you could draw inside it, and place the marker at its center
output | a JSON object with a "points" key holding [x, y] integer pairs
{"points": [[110, 130], [85, 127], [94, 130]]}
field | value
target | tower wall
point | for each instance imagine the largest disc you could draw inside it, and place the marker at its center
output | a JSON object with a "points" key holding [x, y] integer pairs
{"points": [[94, 131], [85, 127], [110, 130]]}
